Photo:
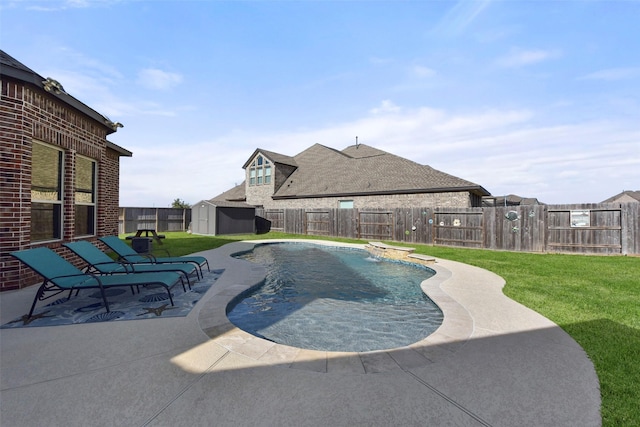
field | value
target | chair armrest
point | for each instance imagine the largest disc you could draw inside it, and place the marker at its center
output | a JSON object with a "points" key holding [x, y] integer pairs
{"points": [[94, 276], [151, 258], [165, 250]]}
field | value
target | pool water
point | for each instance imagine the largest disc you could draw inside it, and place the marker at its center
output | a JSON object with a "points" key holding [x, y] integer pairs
{"points": [[335, 299]]}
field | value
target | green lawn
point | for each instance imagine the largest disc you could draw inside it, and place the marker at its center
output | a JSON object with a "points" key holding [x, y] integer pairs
{"points": [[596, 299]]}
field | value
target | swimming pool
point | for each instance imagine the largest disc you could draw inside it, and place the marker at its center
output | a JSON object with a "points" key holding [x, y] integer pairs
{"points": [[335, 299]]}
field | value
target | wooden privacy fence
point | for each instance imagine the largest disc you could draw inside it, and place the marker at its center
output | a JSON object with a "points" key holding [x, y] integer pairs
{"points": [[583, 228], [160, 219]]}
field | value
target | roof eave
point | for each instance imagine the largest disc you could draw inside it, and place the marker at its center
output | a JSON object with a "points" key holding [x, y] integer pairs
{"points": [[473, 189], [121, 151]]}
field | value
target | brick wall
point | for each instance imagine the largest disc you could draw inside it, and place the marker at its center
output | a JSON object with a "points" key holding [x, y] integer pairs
{"points": [[442, 200], [27, 114]]}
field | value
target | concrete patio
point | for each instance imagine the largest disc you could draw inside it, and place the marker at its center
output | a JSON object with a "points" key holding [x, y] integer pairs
{"points": [[493, 362]]}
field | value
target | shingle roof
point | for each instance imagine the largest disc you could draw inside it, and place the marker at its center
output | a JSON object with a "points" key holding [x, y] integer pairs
{"points": [[236, 194], [515, 200], [363, 170], [9, 61], [627, 195]]}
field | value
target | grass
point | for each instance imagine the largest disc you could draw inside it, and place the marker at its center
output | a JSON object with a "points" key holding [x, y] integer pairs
{"points": [[596, 299]]}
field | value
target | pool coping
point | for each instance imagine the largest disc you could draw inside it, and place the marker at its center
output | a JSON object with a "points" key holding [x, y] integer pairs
{"points": [[454, 332]]}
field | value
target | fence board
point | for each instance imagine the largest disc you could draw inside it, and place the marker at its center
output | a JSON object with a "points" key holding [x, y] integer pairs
{"points": [[276, 218], [630, 222], [346, 223]]}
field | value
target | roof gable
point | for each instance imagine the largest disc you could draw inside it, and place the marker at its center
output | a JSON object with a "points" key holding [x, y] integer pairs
{"points": [[272, 157]]}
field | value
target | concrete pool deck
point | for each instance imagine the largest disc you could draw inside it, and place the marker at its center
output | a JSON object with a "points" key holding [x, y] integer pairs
{"points": [[493, 362]]}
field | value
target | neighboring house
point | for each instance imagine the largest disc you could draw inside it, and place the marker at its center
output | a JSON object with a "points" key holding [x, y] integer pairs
{"points": [[359, 177], [510, 200], [624, 197], [60, 175]]}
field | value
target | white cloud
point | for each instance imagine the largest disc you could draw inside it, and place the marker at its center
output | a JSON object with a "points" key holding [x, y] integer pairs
{"points": [[153, 78], [520, 58], [422, 71], [386, 106], [611, 74]]}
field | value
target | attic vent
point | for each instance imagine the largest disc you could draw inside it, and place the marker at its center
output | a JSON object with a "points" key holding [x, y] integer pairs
{"points": [[51, 85]]}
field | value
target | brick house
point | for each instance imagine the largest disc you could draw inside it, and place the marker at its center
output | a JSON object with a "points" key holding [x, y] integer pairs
{"points": [[359, 177], [60, 175]]}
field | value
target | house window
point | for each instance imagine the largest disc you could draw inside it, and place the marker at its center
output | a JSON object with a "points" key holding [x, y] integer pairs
{"points": [[85, 197], [46, 192], [260, 171], [267, 174], [346, 204]]}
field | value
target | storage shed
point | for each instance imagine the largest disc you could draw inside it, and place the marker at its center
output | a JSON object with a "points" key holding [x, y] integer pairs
{"points": [[216, 217]]}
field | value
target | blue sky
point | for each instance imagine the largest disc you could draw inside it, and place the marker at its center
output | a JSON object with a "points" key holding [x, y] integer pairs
{"points": [[535, 98]]}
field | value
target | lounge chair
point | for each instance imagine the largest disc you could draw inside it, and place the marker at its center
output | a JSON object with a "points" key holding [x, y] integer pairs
{"points": [[127, 254], [60, 276], [99, 262]]}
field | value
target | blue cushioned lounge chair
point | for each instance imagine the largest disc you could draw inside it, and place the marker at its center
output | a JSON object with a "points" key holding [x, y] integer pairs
{"points": [[60, 276], [126, 253], [99, 262]]}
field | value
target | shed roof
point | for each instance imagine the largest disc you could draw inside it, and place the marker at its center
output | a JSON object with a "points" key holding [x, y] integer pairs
{"points": [[227, 204]]}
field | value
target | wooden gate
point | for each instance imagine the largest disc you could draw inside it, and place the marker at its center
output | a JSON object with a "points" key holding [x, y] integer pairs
{"points": [[318, 223], [588, 228], [459, 227], [375, 225]]}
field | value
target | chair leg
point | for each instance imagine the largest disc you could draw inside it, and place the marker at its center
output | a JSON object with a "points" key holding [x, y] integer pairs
{"points": [[37, 298], [169, 292], [104, 298]]}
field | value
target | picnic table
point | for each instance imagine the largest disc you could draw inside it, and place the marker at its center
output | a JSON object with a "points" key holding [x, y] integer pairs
{"points": [[155, 236]]}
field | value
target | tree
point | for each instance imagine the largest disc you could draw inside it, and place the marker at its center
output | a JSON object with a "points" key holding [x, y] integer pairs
{"points": [[180, 204]]}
